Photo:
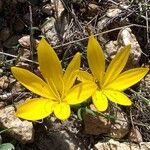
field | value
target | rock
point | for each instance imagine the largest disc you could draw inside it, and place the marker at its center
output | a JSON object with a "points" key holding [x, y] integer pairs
{"points": [[90, 11], [53, 28], [93, 8], [12, 41], [113, 12], [25, 54], [96, 125], [59, 135], [60, 7], [2, 104], [115, 145], [17, 88], [48, 9], [4, 82], [108, 21], [25, 41], [111, 48], [102, 23], [125, 37], [49, 31], [121, 126], [147, 81], [135, 135], [5, 97], [58, 140], [145, 85], [21, 130], [4, 34]]}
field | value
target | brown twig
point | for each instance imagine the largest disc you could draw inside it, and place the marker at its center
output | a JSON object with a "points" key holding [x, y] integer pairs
{"points": [[105, 32], [147, 23], [79, 40], [31, 33], [14, 56], [73, 15]]}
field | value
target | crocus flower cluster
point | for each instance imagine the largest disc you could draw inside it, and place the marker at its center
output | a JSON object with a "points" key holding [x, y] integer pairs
{"points": [[57, 89]]}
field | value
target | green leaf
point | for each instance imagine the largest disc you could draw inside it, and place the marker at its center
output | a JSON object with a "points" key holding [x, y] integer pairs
{"points": [[79, 113], [7, 146], [89, 111]]}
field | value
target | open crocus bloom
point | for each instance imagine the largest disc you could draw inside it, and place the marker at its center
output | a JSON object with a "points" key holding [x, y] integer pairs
{"points": [[112, 82], [56, 90]]}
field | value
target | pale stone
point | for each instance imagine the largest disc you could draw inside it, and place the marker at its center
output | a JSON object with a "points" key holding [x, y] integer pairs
{"points": [[21, 130], [25, 41], [146, 83], [115, 145], [48, 9], [4, 82], [49, 31], [135, 135], [60, 7], [121, 126], [113, 12], [125, 37], [93, 7]]}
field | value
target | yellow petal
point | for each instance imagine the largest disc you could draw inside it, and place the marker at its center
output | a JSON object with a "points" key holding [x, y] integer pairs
{"points": [[50, 65], [117, 97], [96, 59], [80, 92], [127, 79], [71, 72], [32, 82], [100, 101], [85, 76], [35, 109], [117, 64], [62, 111]]}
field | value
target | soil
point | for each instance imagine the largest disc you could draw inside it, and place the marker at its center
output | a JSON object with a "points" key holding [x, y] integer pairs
{"points": [[66, 27]]}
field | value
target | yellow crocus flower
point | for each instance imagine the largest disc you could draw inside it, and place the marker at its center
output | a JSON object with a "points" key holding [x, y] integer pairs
{"points": [[111, 82], [56, 90]]}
